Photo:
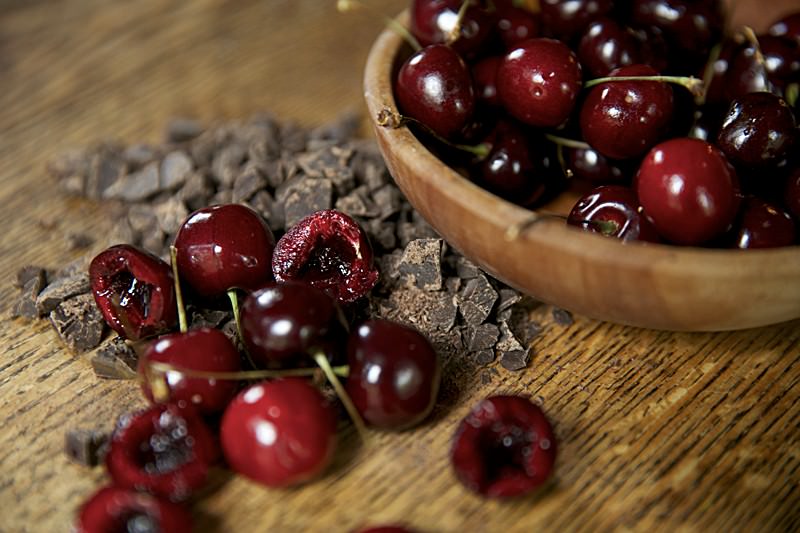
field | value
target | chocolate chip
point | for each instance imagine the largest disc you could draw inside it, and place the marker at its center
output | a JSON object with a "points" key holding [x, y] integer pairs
{"points": [[136, 186], [466, 269], [196, 191], [182, 129], [484, 357], [381, 233], [176, 167], [61, 289], [78, 322], [388, 200], [508, 341], [562, 317], [227, 163], [307, 196], [357, 204], [138, 155], [422, 263], [515, 359], [115, 359], [106, 168], [483, 337], [476, 300], [507, 298], [248, 183], [31, 281], [85, 446], [30, 273], [170, 214]]}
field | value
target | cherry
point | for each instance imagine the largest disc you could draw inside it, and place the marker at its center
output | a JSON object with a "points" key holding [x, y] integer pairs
{"points": [[747, 73], [590, 165], [394, 374], [788, 27], [781, 58], [623, 119], [115, 509], [758, 130], [484, 75], [688, 189], [762, 225], [504, 448], [164, 450], [514, 24], [613, 210], [279, 433], [607, 45], [792, 194], [224, 247], [283, 321], [566, 20], [330, 251], [203, 349], [434, 22], [538, 82], [134, 291]]}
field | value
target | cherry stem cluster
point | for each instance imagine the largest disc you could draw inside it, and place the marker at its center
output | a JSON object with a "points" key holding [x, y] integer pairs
{"points": [[692, 84]]}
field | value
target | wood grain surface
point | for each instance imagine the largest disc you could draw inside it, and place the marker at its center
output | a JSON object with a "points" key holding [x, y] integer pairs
{"points": [[657, 431]]}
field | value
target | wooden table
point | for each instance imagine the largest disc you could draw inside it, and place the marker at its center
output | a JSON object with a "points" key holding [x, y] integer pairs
{"points": [[690, 432]]}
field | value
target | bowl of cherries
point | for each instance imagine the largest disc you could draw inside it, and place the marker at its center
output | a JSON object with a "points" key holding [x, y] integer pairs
{"points": [[635, 162]]}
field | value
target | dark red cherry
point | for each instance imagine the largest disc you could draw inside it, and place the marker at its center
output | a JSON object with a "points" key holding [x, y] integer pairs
{"points": [[590, 165], [134, 291], [284, 321], [432, 22], [224, 247], [613, 211], [607, 45], [747, 73], [538, 82], [762, 225], [781, 58], [279, 433], [566, 20], [653, 47], [164, 450], [688, 189], [204, 349], [791, 196], [434, 87], [515, 24], [119, 510], [484, 75], [330, 251], [759, 130], [788, 27], [504, 448], [394, 374], [624, 119]]}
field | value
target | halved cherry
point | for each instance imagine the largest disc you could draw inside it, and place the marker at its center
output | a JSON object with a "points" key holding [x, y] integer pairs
{"points": [[116, 509]]}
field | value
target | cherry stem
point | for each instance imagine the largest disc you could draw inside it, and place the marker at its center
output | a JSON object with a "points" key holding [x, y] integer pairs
{"points": [[515, 230], [173, 259], [792, 93], [694, 85], [391, 119], [345, 6], [327, 369], [233, 296], [455, 31], [708, 73], [163, 368], [606, 227], [569, 143]]}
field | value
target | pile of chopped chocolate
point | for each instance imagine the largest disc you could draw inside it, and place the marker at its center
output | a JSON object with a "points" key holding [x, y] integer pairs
{"points": [[284, 172]]}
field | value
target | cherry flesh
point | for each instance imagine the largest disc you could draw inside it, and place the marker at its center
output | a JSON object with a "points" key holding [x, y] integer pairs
{"points": [[504, 448], [433, 21], [434, 87], [762, 225], [330, 251], [688, 189], [759, 129], [224, 247], [279, 433], [624, 119], [204, 349], [164, 450], [607, 45], [394, 374], [115, 509], [538, 82], [285, 321], [134, 291], [613, 211]]}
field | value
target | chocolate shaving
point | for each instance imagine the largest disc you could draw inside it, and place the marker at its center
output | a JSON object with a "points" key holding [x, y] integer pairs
{"points": [[78, 322], [86, 447]]}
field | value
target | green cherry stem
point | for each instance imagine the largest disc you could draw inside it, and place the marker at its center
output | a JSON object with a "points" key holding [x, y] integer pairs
{"points": [[173, 259], [569, 143], [327, 369], [233, 296], [694, 85], [163, 368]]}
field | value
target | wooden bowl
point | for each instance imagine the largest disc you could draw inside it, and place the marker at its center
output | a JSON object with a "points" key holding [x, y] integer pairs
{"points": [[651, 286]]}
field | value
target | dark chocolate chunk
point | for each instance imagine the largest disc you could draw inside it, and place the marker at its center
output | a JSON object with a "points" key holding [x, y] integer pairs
{"points": [[196, 191], [452, 284], [387, 200], [562, 317], [508, 340], [182, 129], [136, 186], [138, 155], [507, 298], [248, 183], [115, 360], [476, 300], [208, 318], [381, 233], [483, 337], [170, 214], [357, 204], [515, 359], [227, 163], [176, 167], [70, 169], [106, 168], [265, 205], [422, 263], [79, 322], [31, 280], [306, 197], [484, 357], [62, 289], [85, 446], [466, 269], [30, 273], [293, 138]]}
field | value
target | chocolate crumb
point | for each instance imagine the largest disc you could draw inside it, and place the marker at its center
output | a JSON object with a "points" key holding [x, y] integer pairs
{"points": [[86, 447], [78, 322], [484, 337], [31, 280], [306, 197], [115, 359], [136, 186], [421, 262], [61, 289], [176, 167], [484, 357], [508, 341], [515, 359], [476, 300], [562, 317]]}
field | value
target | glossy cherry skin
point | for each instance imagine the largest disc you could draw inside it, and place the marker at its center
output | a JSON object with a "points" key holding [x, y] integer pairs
{"points": [[688, 189], [432, 21], [504, 448], [284, 321], [394, 374], [279, 433], [566, 20], [762, 225], [590, 165], [434, 87], [787, 27], [134, 291], [224, 247], [781, 58], [791, 194], [759, 130], [115, 509], [484, 75], [607, 45], [204, 349], [514, 24], [538, 82], [330, 251], [624, 119], [164, 450], [746, 73], [613, 211]]}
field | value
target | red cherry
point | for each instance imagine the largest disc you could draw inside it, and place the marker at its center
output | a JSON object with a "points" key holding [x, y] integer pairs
{"points": [[792, 194], [484, 74], [394, 374], [613, 210], [788, 27], [688, 189], [515, 24], [203, 349], [164, 450], [330, 251], [607, 45], [134, 291], [623, 119], [224, 247], [504, 448], [566, 20], [115, 509], [762, 225], [538, 82], [283, 321], [432, 22], [588, 164], [279, 433], [434, 87]]}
